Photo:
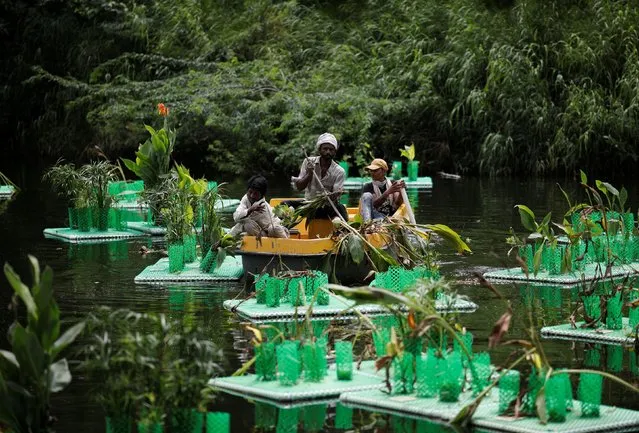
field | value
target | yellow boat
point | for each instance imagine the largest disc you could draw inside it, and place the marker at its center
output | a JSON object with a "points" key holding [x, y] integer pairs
{"points": [[307, 248]]}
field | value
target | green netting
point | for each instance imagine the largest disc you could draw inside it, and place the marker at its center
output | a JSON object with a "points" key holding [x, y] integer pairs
{"points": [[591, 271], [265, 361], [486, 417], [403, 374], [85, 221], [288, 363], [529, 400], [313, 355], [102, 217], [230, 270], [613, 311], [589, 392], [92, 236], [344, 360], [156, 427], [508, 390], [483, 370], [621, 336], [186, 421], [208, 262], [556, 399], [115, 219], [397, 278], [265, 415], [592, 306], [274, 288], [314, 416], [218, 422], [592, 357], [176, 257], [287, 420], [467, 340], [118, 424], [343, 417], [190, 248], [450, 385], [73, 217], [614, 359], [329, 386], [429, 373], [633, 312]]}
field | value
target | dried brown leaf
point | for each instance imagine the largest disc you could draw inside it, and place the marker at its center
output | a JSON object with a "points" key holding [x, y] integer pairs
{"points": [[500, 328]]}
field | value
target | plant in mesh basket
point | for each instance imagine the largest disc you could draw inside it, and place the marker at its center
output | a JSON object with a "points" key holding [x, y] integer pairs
{"points": [[97, 176], [67, 181], [148, 365], [32, 368], [214, 243]]}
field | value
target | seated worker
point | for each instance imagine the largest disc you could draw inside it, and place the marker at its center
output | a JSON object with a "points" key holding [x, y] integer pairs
{"points": [[321, 173], [381, 197], [254, 215]]}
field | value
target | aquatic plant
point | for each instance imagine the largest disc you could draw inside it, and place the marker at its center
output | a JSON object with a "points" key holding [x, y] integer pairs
{"points": [[33, 369]]}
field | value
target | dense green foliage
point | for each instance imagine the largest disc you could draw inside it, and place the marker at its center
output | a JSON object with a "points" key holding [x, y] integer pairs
{"points": [[500, 87]]}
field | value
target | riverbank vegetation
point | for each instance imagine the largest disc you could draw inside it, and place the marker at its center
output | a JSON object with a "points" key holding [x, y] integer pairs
{"points": [[486, 86]]}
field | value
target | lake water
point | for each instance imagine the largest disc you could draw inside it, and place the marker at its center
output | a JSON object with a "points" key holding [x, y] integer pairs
{"points": [[87, 276]]}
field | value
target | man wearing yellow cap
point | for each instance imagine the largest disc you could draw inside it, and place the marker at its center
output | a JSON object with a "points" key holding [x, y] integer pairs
{"points": [[381, 197]]}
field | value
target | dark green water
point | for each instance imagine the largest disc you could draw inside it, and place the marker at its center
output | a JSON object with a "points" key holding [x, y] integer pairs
{"points": [[88, 276]]}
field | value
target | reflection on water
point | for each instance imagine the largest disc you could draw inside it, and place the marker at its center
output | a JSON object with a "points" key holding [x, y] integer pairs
{"points": [[87, 276]]}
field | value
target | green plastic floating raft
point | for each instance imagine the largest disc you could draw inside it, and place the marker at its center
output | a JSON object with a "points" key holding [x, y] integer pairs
{"points": [[338, 307], [75, 236], [623, 336], [6, 191], [358, 182], [250, 386], [231, 270], [591, 272], [612, 418], [146, 227]]}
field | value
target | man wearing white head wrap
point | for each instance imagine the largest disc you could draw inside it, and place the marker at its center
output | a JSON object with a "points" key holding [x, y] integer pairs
{"points": [[329, 173]]}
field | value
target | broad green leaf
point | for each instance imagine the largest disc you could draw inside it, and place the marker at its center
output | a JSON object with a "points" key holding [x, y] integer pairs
{"points": [[584, 178], [131, 166], [450, 236], [22, 291], [611, 189], [49, 326], [623, 197], [356, 249], [28, 352], [10, 357], [44, 294], [150, 129], [67, 338], [600, 186], [408, 152], [546, 221], [527, 217], [59, 375], [35, 269]]}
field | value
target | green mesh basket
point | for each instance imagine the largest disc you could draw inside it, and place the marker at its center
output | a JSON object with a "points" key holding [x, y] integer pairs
{"points": [[633, 312], [508, 390], [614, 358], [589, 393], [314, 417], [314, 359], [450, 382], [296, 293], [592, 357], [186, 421], [467, 340], [592, 306], [115, 219], [565, 380], [274, 289], [555, 399], [314, 282], [428, 375], [287, 420], [156, 427], [613, 311], [190, 248], [208, 262], [102, 219], [265, 416], [176, 257], [288, 363], [218, 422], [483, 370], [85, 221], [265, 361], [118, 424], [260, 288], [535, 382], [343, 417], [73, 217], [403, 374], [344, 360]]}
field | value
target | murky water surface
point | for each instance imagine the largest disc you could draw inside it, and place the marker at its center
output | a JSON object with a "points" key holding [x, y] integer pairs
{"points": [[87, 276]]}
